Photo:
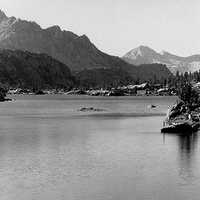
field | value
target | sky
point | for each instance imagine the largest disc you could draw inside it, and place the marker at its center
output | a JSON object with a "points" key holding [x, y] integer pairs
{"points": [[117, 26]]}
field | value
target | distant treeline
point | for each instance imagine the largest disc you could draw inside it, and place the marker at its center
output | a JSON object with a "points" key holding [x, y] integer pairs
{"points": [[120, 76], [22, 69], [40, 71], [181, 79]]}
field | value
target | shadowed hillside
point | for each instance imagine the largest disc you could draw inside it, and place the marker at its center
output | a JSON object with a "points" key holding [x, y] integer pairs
{"points": [[29, 70]]}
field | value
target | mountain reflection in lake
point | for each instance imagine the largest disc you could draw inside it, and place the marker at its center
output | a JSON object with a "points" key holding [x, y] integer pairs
{"points": [[49, 150]]}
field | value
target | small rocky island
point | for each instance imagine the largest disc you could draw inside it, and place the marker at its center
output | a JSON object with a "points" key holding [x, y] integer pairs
{"points": [[184, 116]]}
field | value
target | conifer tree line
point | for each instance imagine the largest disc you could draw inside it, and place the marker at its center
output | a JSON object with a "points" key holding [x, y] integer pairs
{"points": [[180, 79], [183, 84]]}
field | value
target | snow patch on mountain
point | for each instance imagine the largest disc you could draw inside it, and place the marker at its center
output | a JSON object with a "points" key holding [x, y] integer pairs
{"points": [[135, 53]]}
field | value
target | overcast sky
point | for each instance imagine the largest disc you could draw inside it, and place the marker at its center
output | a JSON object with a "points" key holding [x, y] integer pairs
{"points": [[117, 26]]}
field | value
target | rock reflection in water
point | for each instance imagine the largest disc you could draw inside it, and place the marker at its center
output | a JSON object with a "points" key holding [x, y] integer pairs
{"points": [[187, 145], [186, 160]]}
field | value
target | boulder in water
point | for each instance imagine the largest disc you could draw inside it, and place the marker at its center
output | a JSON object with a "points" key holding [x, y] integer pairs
{"points": [[152, 106], [91, 109]]}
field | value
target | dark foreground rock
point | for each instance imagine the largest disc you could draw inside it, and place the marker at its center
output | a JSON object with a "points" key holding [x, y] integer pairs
{"points": [[3, 92]]}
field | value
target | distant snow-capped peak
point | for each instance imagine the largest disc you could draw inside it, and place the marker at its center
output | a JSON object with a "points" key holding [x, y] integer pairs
{"points": [[140, 51], [146, 55]]}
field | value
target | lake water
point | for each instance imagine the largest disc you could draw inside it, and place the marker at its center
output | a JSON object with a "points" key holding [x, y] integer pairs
{"points": [[51, 151]]}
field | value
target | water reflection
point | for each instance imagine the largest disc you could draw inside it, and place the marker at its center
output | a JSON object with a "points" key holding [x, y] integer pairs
{"points": [[186, 149], [187, 145]]}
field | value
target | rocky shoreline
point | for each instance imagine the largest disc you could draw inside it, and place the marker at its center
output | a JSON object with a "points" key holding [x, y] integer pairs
{"points": [[182, 118]]}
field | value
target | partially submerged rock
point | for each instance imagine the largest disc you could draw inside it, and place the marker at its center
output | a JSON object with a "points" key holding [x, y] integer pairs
{"points": [[91, 109], [151, 106]]}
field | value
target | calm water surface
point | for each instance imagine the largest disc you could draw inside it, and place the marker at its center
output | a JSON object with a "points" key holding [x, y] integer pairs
{"points": [[51, 151]]}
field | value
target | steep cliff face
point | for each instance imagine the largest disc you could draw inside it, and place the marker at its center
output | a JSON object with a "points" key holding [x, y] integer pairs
{"points": [[30, 70]]}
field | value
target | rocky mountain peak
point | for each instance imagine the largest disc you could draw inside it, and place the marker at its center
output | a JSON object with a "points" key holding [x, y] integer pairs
{"points": [[143, 47], [84, 38], [2, 15], [54, 28], [139, 52], [146, 55]]}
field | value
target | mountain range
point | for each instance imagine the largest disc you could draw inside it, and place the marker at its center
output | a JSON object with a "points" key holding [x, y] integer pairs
{"points": [[77, 53], [146, 55]]}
